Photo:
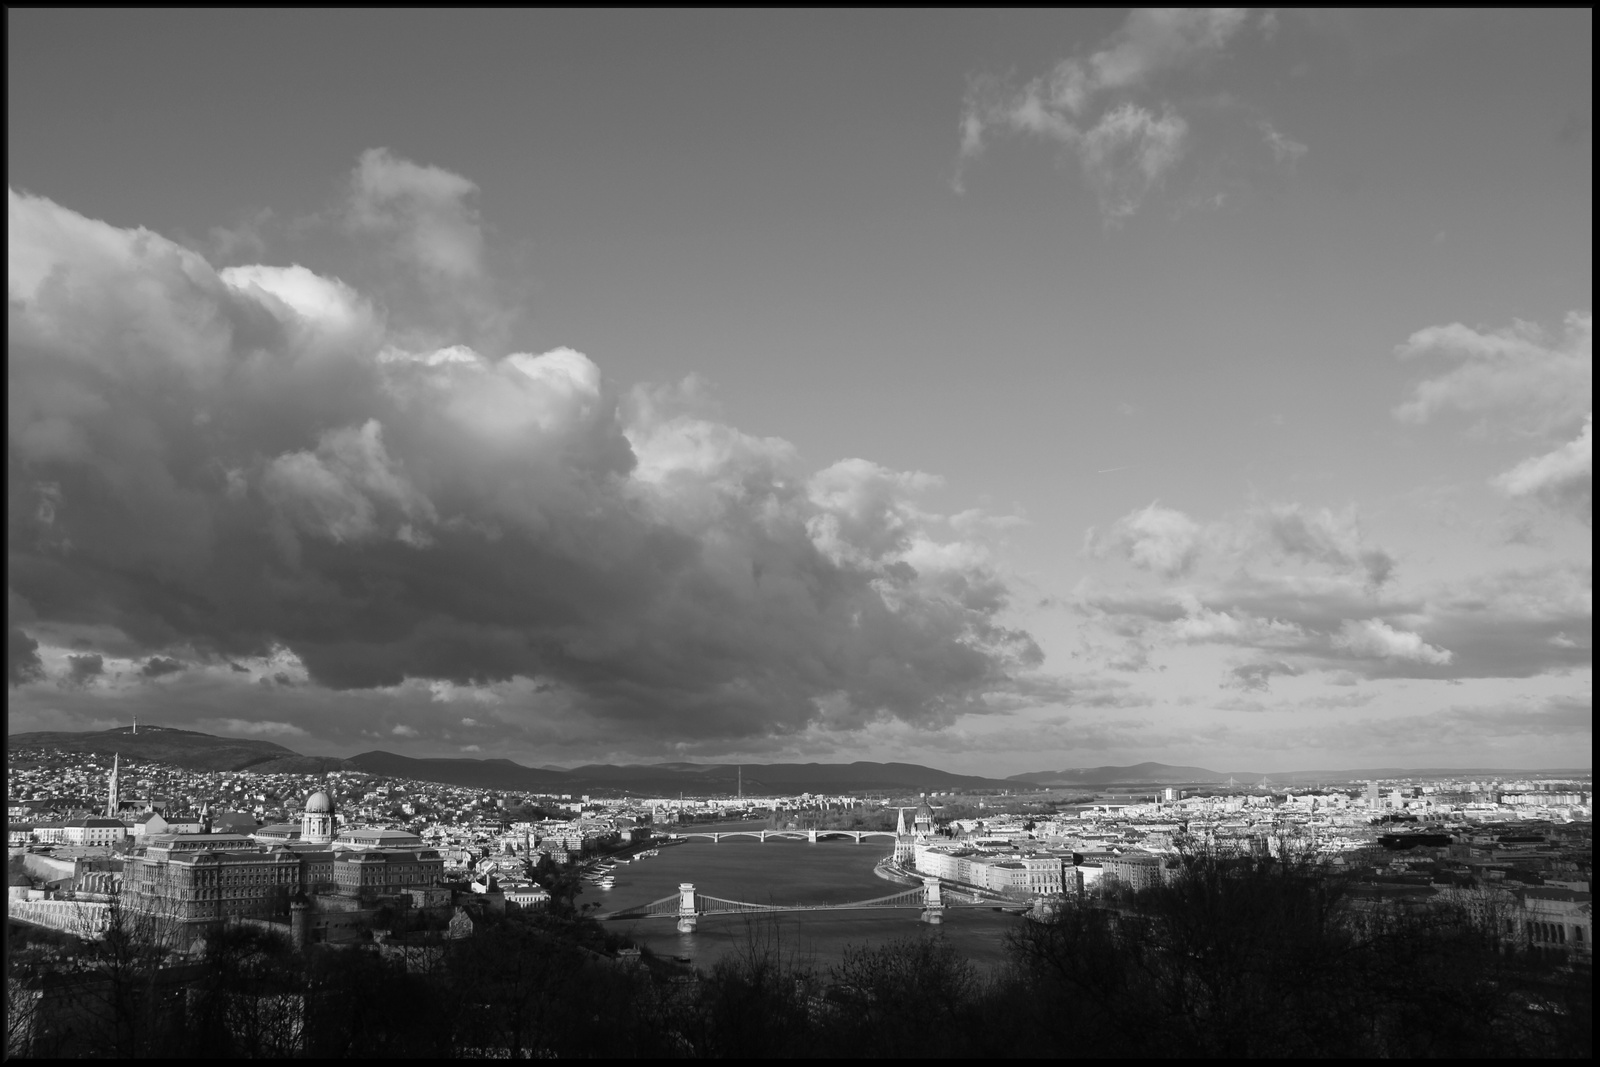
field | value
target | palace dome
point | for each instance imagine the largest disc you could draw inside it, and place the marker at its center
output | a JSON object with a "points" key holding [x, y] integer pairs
{"points": [[319, 803]]}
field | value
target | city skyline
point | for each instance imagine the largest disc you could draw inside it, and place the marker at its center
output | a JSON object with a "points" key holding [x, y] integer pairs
{"points": [[995, 392]]}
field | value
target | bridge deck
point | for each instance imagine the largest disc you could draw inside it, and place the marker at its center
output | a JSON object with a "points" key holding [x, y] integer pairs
{"points": [[668, 907]]}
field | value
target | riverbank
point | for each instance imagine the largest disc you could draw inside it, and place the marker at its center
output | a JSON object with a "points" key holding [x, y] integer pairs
{"points": [[890, 871]]}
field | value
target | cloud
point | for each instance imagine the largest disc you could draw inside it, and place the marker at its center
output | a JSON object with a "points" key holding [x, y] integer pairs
{"points": [[1258, 676], [421, 210], [1096, 106], [1343, 700], [1284, 150], [259, 467], [347, 489], [1537, 382], [1376, 638], [1127, 154], [1322, 536], [1516, 623], [1524, 381], [251, 729], [81, 669], [156, 666], [1155, 538], [1563, 478], [1149, 43], [22, 658], [1169, 542]]}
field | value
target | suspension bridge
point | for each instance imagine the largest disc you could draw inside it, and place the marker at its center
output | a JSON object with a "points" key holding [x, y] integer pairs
{"points": [[812, 836], [688, 904]]}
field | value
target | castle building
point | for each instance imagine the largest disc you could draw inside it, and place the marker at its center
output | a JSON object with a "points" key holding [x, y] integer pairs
{"points": [[207, 878]]}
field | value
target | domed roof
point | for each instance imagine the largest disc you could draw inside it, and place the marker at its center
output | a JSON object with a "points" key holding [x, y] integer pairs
{"points": [[319, 803]]}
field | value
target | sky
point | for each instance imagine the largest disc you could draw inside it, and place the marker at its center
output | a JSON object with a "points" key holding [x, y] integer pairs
{"points": [[1002, 391]]}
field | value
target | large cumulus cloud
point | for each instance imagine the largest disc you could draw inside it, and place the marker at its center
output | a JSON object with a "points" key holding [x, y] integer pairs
{"points": [[223, 467]]}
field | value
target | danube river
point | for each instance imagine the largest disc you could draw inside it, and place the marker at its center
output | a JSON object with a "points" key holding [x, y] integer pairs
{"points": [[786, 872]]}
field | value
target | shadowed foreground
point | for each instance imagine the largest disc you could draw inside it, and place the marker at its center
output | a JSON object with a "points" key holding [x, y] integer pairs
{"points": [[1243, 957]]}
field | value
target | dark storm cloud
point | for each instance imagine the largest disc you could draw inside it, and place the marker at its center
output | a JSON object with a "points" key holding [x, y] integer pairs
{"points": [[83, 668], [156, 666], [248, 461], [22, 658]]}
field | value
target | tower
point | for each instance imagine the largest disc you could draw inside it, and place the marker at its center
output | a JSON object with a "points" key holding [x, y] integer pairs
{"points": [[111, 786], [922, 824], [300, 921], [905, 851]]}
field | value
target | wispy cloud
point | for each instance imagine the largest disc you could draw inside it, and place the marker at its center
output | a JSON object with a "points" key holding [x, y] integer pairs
{"points": [[1525, 381], [1099, 108]]}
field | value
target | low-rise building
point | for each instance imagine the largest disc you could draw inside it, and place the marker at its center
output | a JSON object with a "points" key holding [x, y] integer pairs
{"points": [[94, 830]]}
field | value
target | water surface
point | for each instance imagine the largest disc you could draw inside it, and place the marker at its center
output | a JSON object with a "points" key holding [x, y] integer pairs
{"points": [[785, 872]]}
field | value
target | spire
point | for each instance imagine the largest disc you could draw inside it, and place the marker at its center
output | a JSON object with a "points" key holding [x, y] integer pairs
{"points": [[900, 824], [111, 786]]}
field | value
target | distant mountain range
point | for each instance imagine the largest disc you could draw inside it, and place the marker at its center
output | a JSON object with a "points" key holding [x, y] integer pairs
{"points": [[203, 752], [1152, 774]]}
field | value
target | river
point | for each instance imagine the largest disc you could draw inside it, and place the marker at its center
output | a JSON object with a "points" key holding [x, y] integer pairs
{"points": [[786, 872]]}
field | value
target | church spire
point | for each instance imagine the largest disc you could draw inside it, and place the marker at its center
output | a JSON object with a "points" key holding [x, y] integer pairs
{"points": [[111, 786]]}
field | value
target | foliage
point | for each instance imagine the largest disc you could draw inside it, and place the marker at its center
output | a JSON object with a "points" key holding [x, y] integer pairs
{"points": [[1235, 957]]}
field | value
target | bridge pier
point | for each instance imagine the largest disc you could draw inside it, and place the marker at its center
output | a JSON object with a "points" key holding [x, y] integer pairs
{"points": [[812, 836], [932, 903], [687, 918]]}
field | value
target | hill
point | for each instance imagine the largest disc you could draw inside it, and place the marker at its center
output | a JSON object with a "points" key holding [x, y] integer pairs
{"points": [[193, 750], [472, 773], [672, 778], [189, 749]]}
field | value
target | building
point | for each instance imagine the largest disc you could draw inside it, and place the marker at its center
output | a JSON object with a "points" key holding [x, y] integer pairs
{"points": [[905, 845], [367, 837], [1006, 872], [371, 873], [922, 824], [316, 824], [529, 896], [208, 878], [208, 884], [149, 824], [1556, 918], [94, 830], [1136, 870]]}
